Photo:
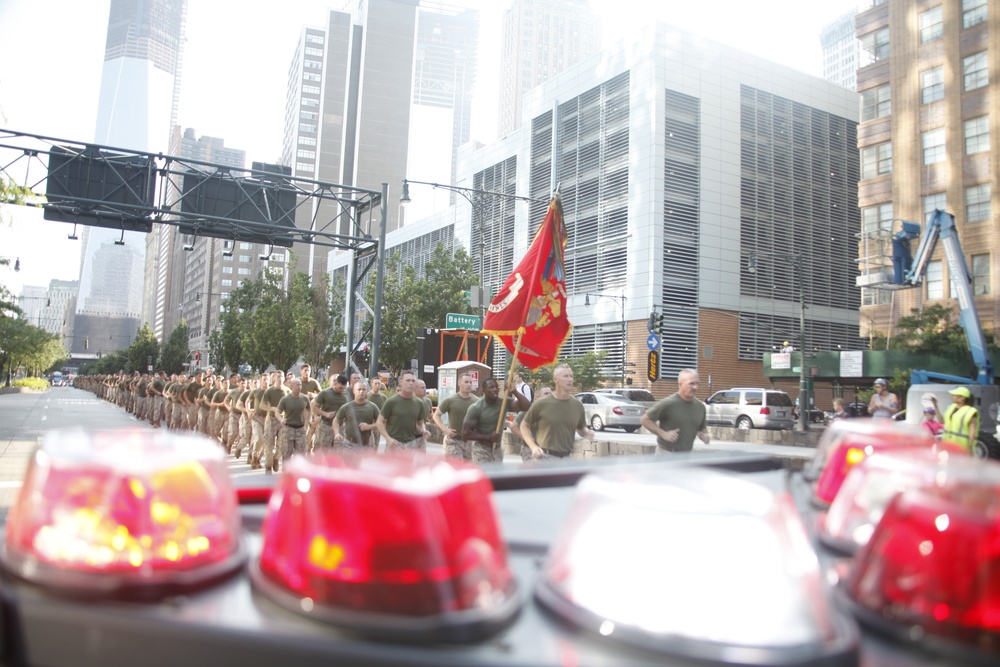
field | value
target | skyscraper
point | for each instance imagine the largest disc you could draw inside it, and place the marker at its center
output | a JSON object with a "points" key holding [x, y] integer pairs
{"points": [[140, 82], [540, 39], [841, 51]]}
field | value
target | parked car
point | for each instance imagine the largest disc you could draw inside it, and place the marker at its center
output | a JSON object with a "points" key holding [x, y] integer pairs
{"points": [[607, 410], [750, 407], [639, 396]]}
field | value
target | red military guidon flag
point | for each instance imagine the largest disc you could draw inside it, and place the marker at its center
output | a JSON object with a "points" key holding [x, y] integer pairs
{"points": [[528, 315]]}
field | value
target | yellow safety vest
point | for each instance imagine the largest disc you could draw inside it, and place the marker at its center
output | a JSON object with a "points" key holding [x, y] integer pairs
{"points": [[958, 426]]}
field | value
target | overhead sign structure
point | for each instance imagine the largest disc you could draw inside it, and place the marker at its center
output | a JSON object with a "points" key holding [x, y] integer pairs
{"points": [[460, 321], [653, 366]]}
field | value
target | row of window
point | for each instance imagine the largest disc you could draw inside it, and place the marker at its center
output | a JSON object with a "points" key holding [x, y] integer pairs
{"points": [[876, 160], [977, 209], [931, 23], [877, 102]]}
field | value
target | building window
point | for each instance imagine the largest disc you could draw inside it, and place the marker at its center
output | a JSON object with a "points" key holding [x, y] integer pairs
{"points": [[307, 127], [933, 145], [307, 141], [931, 26], [876, 44], [932, 85], [973, 12], [876, 103], [932, 202], [875, 297], [314, 39], [877, 218], [312, 51], [975, 71], [244, 271], [876, 160], [244, 258], [301, 167], [226, 282], [980, 275], [227, 269], [245, 246], [310, 76], [313, 64], [935, 279], [308, 115], [308, 155], [311, 90], [309, 102], [977, 135], [977, 203]]}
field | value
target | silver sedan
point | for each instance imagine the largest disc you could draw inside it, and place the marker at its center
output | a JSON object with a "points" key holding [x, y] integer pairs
{"points": [[608, 410]]}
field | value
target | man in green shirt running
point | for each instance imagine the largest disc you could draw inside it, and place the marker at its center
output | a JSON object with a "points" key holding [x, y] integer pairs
{"points": [[359, 420], [482, 418], [325, 405], [402, 420], [552, 423], [455, 407], [292, 411], [679, 418]]}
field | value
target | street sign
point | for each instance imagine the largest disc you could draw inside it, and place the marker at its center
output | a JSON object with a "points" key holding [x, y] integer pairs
{"points": [[653, 341], [459, 321], [653, 366]]}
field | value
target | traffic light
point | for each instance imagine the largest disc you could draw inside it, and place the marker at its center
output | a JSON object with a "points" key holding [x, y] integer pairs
{"points": [[86, 343], [197, 357], [655, 324]]}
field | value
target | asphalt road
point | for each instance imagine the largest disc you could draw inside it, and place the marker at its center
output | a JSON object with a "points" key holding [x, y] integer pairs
{"points": [[26, 417]]}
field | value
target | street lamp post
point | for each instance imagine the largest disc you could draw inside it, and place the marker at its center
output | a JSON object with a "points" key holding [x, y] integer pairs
{"points": [[477, 200], [797, 259], [621, 301]]}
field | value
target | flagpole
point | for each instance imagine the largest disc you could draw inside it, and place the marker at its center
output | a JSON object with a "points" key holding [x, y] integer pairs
{"points": [[509, 381]]}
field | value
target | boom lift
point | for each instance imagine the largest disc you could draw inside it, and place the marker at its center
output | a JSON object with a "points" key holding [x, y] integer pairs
{"points": [[909, 272]]}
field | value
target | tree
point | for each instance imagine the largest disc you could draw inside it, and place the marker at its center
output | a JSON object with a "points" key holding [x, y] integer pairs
{"points": [[273, 334], [442, 290], [588, 371], [144, 351], [399, 330], [931, 330], [106, 365], [323, 323], [176, 352]]}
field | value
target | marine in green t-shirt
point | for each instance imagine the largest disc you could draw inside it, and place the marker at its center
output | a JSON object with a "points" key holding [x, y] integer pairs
{"points": [[402, 418], [355, 414], [679, 418], [331, 399], [293, 408]]}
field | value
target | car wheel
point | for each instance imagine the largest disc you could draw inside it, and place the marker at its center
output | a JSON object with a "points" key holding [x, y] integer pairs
{"points": [[630, 429], [986, 447], [597, 423], [744, 423]]}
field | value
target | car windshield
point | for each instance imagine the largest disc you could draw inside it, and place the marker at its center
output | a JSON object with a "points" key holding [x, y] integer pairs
{"points": [[641, 395], [779, 399]]}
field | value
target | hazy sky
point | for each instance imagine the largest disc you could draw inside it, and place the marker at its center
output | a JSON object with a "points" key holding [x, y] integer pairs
{"points": [[236, 67]]}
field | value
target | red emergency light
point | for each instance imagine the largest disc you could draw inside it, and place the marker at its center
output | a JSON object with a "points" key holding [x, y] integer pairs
{"points": [[932, 566], [400, 546], [847, 442], [132, 513]]}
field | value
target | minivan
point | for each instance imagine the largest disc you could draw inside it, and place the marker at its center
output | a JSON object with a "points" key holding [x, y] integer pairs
{"points": [[750, 407]]}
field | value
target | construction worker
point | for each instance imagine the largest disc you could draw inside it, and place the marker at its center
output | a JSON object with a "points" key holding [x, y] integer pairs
{"points": [[961, 420]]}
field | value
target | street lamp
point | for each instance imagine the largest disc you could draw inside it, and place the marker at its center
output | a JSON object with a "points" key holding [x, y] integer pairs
{"points": [[477, 200], [621, 301], [805, 404]]}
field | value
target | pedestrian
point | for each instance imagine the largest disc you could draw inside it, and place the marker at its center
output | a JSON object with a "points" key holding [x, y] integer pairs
{"points": [[191, 400], [155, 391], [961, 420], [258, 421], [269, 401], [376, 396], [358, 419], [515, 426], [483, 418], [455, 408], [291, 412], [523, 387], [325, 405], [883, 403], [839, 410], [355, 378], [679, 418], [401, 422], [310, 388], [930, 422], [551, 423], [230, 430], [243, 437]]}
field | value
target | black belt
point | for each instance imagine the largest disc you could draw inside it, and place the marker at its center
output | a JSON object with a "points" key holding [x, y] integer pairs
{"points": [[295, 425], [558, 455]]}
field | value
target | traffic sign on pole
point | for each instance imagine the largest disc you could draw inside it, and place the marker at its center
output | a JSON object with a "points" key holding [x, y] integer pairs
{"points": [[460, 321], [653, 341]]}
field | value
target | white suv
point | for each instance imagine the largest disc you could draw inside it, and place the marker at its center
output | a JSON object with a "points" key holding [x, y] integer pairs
{"points": [[750, 407]]}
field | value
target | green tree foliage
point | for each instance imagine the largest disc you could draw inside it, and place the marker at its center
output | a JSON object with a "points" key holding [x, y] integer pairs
{"points": [[934, 329], [322, 322], [399, 303], [447, 277], [176, 352], [588, 371], [108, 364], [145, 350], [23, 345]]}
